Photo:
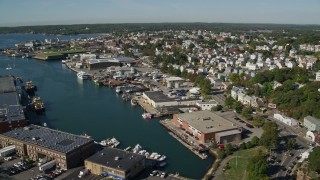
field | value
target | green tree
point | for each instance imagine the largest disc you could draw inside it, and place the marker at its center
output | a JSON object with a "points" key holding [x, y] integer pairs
{"points": [[314, 160], [216, 108], [258, 121], [229, 102], [269, 137], [255, 141], [228, 149], [291, 143], [257, 168], [237, 106], [246, 112]]}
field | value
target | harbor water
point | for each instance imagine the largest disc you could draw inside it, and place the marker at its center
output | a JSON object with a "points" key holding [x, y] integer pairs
{"points": [[79, 107]]}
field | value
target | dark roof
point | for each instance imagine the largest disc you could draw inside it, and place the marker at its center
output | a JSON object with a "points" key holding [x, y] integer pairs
{"points": [[49, 138], [10, 108], [158, 96], [116, 158], [7, 84]]}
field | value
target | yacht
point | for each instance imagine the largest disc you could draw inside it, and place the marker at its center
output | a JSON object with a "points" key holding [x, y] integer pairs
{"points": [[83, 75]]}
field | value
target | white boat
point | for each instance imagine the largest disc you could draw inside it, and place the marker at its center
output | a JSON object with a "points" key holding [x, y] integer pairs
{"points": [[127, 148], [134, 102], [162, 158], [147, 115], [63, 61], [115, 142], [137, 148], [118, 89], [83, 75], [8, 67]]}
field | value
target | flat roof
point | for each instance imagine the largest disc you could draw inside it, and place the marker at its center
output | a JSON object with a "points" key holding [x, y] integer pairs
{"points": [[96, 61], [7, 84], [48, 138], [206, 121], [158, 96], [116, 158], [228, 133], [10, 107], [174, 79]]}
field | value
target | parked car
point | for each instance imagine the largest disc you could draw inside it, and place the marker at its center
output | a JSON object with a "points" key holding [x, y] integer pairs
{"points": [[9, 158], [154, 173]]}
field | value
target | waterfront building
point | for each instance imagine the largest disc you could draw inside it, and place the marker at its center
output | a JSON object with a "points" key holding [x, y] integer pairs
{"points": [[11, 111], [207, 126], [311, 123], [104, 63], [158, 99], [116, 163], [207, 105], [44, 144]]}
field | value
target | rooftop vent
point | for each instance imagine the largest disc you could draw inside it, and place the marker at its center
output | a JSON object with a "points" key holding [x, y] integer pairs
{"points": [[117, 158], [206, 118]]}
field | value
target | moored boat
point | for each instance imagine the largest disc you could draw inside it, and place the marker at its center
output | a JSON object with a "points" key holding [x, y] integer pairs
{"points": [[134, 102], [38, 105], [30, 88], [83, 75], [146, 115]]}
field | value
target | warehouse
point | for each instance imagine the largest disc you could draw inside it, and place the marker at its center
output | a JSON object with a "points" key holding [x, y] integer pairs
{"points": [[116, 163], [207, 126], [44, 144], [11, 111]]}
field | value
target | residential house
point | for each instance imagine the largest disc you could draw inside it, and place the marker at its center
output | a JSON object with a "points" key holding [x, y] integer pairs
{"points": [[311, 123], [287, 120]]}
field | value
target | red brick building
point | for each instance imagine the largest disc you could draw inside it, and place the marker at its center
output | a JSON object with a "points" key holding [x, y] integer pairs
{"points": [[207, 126]]}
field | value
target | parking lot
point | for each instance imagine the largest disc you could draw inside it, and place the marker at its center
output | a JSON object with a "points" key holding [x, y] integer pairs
{"points": [[19, 169]]}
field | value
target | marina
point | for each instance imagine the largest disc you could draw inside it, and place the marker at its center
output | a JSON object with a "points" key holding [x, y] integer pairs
{"points": [[78, 106]]}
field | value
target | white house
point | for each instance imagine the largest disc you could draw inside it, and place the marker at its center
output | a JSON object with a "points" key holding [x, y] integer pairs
{"points": [[318, 76], [287, 120], [207, 105], [311, 123]]}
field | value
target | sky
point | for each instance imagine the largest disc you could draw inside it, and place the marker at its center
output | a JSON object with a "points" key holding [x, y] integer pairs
{"points": [[52, 12]]}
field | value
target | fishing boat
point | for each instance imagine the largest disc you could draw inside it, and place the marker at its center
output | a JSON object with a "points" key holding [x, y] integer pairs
{"points": [[136, 148], [30, 88], [83, 75], [113, 142], [38, 105], [147, 116]]}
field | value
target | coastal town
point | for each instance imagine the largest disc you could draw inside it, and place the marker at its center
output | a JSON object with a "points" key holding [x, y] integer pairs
{"points": [[240, 97]]}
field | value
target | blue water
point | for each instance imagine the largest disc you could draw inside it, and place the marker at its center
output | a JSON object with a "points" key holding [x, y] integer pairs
{"points": [[81, 107]]}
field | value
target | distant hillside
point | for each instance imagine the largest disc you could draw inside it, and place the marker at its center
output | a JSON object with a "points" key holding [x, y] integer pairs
{"points": [[105, 28]]}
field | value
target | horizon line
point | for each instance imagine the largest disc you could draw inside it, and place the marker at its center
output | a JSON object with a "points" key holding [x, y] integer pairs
{"points": [[195, 22]]}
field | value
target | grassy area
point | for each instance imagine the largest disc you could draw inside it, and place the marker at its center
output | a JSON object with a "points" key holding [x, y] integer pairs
{"points": [[238, 163]]}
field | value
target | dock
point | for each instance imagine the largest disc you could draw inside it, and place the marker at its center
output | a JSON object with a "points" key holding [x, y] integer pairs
{"points": [[147, 107], [175, 135]]}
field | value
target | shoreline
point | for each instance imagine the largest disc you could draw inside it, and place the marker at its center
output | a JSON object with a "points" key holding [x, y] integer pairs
{"points": [[210, 169]]}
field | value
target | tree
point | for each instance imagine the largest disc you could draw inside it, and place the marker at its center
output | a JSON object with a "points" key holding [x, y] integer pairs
{"points": [[246, 112], [258, 121], [269, 137], [257, 168], [237, 106], [291, 143], [228, 149], [255, 141], [229, 102], [216, 108], [314, 160]]}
